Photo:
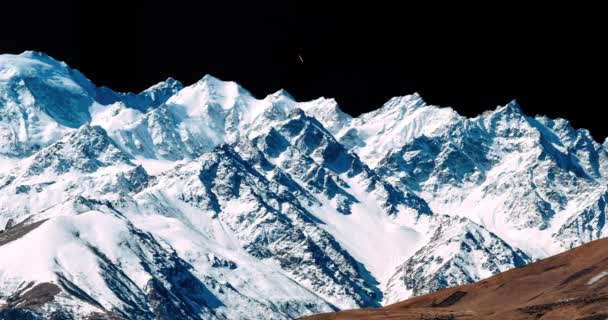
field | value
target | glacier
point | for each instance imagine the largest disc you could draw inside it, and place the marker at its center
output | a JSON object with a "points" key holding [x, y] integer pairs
{"points": [[206, 202]]}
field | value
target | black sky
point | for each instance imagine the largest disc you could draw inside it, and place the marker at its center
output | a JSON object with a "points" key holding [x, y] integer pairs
{"points": [[552, 61]]}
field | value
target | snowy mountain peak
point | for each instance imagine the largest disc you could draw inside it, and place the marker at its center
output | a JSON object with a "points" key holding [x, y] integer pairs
{"points": [[458, 251], [169, 84], [417, 96], [86, 149], [40, 100], [328, 112], [411, 101], [281, 93], [32, 66], [220, 87], [398, 122], [398, 106], [214, 81], [42, 57], [210, 90], [511, 108], [280, 96]]}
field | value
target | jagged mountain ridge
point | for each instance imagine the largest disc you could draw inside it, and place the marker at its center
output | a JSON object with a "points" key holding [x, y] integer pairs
{"points": [[288, 208]]}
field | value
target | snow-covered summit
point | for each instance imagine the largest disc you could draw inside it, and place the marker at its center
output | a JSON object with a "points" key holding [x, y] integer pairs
{"points": [[33, 64], [41, 99]]}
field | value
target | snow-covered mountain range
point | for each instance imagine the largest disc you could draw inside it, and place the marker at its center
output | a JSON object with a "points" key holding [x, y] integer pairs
{"points": [[205, 202]]}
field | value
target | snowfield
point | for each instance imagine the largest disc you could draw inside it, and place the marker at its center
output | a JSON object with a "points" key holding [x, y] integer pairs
{"points": [[205, 202]]}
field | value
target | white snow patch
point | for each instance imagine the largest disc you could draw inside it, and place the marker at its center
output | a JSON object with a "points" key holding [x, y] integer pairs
{"points": [[597, 278], [156, 166]]}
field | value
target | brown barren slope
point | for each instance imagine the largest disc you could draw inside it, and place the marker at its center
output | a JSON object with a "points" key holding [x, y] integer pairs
{"points": [[572, 285]]}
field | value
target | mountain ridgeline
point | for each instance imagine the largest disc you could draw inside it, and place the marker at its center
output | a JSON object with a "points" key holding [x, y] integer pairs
{"points": [[205, 202]]}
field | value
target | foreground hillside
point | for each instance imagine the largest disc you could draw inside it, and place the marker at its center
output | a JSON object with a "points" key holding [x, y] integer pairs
{"points": [[571, 285]]}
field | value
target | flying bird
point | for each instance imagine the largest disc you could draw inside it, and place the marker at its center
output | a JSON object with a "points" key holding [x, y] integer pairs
{"points": [[299, 56]]}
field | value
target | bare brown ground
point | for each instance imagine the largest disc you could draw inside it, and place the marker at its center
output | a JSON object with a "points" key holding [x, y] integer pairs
{"points": [[554, 288]]}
